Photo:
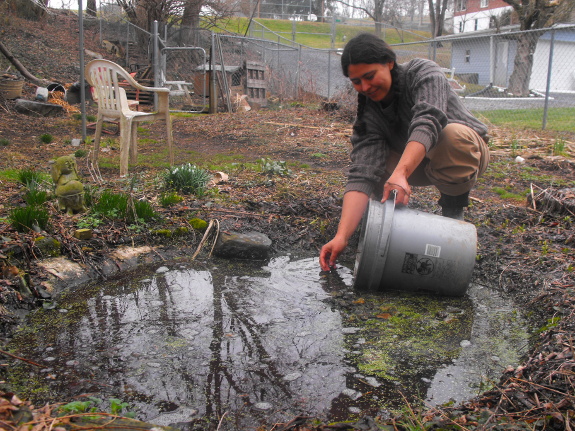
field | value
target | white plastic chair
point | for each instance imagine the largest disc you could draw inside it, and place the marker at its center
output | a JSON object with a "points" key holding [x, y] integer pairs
{"points": [[105, 77]]}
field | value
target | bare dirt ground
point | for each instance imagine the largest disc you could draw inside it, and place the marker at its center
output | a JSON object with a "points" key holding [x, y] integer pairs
{"points": [[524, 213]]}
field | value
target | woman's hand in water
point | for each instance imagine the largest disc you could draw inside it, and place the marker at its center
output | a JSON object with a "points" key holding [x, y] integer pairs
{"points": [[329, 253]]}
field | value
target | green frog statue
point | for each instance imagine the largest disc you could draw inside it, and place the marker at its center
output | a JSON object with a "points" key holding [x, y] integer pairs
{"points": [[69, 190]]}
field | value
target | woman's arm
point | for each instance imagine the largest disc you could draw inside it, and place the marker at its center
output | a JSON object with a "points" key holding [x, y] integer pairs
{"points": [[354, 205], [410, 159]]}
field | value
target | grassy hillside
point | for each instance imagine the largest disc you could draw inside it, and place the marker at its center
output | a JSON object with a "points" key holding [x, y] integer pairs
{"points": [[312, 34]]}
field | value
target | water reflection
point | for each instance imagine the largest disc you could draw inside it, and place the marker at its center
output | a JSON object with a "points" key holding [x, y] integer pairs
{"points": [[237, 340], [218, 341]]}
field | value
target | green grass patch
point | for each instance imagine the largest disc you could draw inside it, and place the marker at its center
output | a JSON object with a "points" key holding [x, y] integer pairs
{"points": [[168, 199], [506, 194], [185, 114], [89, 118], [32, 178], [9, 174], [36, 196], [318, 33], [558, 119], [119, 206], [147, 141], [142, 131], [28, 218]]}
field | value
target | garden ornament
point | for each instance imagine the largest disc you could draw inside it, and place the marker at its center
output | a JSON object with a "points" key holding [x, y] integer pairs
{"points": [[69, 189]]}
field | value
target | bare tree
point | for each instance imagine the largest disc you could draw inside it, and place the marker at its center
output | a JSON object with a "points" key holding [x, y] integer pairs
{"points": [[533, 15], [497, 21], [437, 16], [372, 8]]}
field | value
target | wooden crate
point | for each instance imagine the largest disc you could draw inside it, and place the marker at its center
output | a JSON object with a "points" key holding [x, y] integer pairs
{"points": [[256, 85], [143, 97]]}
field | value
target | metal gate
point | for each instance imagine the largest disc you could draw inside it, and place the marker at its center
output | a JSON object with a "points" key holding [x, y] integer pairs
{"points": [[183, 71]]}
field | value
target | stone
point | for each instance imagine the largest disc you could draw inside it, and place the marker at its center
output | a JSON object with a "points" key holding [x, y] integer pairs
{"points": [[249, 245], [83, 234], [48, 246], [35, 108]]}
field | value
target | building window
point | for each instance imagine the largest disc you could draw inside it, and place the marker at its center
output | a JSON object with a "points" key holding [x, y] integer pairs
{"points": [[460, 5], [468, 56], [475, 26], [484, 3]]}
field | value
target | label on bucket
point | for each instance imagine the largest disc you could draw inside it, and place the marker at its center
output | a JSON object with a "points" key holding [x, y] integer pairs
{"points": [[432, 250], [420, 264]]}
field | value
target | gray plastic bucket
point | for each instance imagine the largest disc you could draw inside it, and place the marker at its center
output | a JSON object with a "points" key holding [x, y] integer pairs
{"points": [[409, 250]]}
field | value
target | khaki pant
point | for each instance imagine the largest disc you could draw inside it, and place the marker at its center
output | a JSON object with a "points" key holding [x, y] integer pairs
{"points": [[453, 165]]}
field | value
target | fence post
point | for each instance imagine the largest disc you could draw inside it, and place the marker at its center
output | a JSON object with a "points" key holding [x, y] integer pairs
{"points": [[298, 73], [293, 30], [328, 75], [333, 32], [549, 69], [128, 46], [156, 62], [491, 59], [82, 77], [213, 91]]}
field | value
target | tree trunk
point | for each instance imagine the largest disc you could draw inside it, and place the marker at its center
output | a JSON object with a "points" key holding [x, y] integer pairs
{"points": [[191, 15], [378, 15], [519, 80], [91, 8], [36, 81], [432, 17]]}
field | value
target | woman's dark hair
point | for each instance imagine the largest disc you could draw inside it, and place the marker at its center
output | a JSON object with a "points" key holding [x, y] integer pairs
{"points": [[366, 48]]}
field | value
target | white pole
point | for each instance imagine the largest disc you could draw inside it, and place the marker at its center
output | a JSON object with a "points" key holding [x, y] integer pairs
{"points": [[82, 79]]}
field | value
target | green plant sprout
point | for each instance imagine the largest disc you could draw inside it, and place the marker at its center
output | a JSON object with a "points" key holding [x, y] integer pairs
{"points": [[187, 179], [271, 167], [46, 138]]}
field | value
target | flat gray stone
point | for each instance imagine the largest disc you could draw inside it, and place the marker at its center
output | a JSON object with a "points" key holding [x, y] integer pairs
{"points": [[36, 108], [249, 245]]}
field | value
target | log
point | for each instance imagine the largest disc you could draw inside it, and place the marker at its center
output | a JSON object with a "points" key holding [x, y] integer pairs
{"points": [[36, 81]]}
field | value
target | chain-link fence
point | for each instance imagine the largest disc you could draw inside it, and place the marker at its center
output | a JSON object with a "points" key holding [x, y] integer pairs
{"points": [[506, 75]]}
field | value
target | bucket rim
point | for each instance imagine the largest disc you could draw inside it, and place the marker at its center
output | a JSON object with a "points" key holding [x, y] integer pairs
{"points": [[374, 241]]}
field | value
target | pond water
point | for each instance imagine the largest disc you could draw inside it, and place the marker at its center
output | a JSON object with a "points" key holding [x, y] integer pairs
{"points": [[255, 343]]}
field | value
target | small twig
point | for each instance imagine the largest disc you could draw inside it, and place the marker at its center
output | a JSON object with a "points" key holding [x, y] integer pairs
{"points": [[216, 238], [413, 415], [204, 238], [54, 273], [21, 359], [544, 387], [221, 420], [6, 425]]}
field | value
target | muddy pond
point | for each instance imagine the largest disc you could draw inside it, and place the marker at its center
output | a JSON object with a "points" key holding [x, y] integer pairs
{"points": [[237, 344]]}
